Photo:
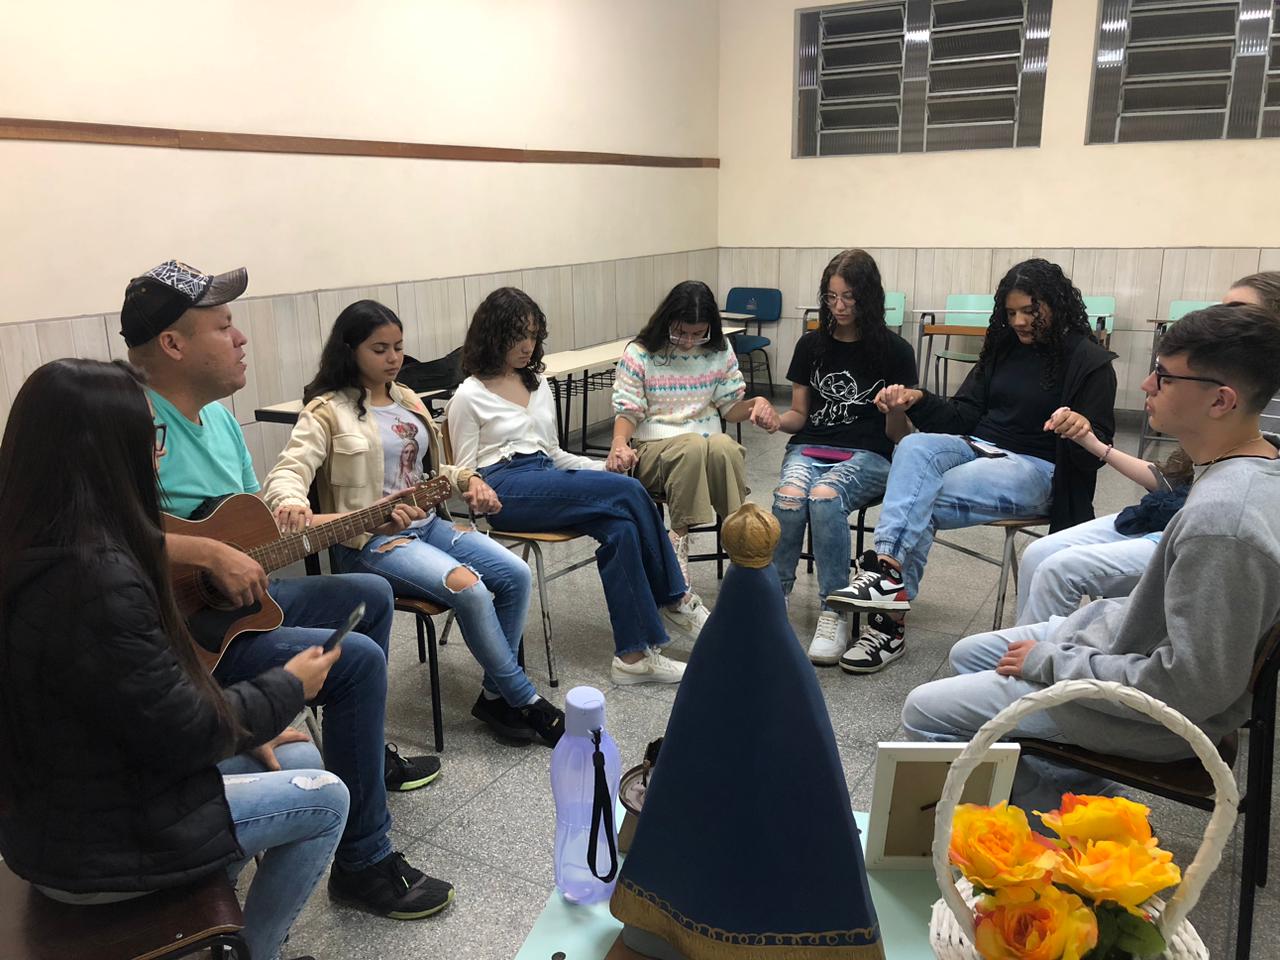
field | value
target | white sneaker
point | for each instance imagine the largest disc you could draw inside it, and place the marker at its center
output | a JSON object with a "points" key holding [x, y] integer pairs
{"points": [[829, 639], [689, 615], [652, 668]]}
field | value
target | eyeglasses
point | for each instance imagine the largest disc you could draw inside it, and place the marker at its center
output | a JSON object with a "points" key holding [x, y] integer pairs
{"points": [[162, 431], [688, 339], [1162, 375], [831, 299]]}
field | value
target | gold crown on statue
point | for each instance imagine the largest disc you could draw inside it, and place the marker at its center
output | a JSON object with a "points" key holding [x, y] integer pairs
{"points": [[750, 535]]}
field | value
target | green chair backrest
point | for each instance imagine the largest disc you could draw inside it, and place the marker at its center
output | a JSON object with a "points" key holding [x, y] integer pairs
{"points": [[968, 301], [1104, 307], [895, 308], [1180, 308]]}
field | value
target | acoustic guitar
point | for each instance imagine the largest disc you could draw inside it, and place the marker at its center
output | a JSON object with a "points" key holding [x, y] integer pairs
{"points": [[246, 523]]}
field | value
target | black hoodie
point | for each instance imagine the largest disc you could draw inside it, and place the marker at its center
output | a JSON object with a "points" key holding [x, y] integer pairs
{"points": [[110, 748], [1088, 387]]}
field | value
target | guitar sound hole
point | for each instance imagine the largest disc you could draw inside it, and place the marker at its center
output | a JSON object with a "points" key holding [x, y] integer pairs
{"points": [[211, 596]]}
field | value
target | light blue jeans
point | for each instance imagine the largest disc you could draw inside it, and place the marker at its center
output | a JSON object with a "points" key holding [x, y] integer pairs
{"points": [[490, 613], [1090, 559], [952, 709], [848, 485], [938, 482], [294, 818]]}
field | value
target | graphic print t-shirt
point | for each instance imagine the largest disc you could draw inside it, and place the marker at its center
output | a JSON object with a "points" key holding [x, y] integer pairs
{"points": [[842, 412], [403, 437]]}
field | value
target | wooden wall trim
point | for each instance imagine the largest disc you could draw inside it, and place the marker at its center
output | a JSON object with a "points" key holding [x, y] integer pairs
{"points": [[71, 131]]}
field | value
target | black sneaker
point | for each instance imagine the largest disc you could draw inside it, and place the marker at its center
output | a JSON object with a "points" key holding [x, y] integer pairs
{"points": [[502, 718], [880, 644], [391, 888], [877, 587], [546, 719], [408, 773]]}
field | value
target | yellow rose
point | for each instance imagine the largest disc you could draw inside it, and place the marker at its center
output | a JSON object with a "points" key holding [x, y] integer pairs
{"points": [[1055, 924], [994, 847], [1084, 818], [1124, 873]]}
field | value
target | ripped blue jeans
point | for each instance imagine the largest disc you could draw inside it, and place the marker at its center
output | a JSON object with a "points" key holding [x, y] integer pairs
{"points": [[855, 482], [938, 482], [490, 613]]}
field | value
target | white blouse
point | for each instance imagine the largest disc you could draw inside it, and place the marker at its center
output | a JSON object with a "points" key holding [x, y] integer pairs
{"points": [[485, 428]]}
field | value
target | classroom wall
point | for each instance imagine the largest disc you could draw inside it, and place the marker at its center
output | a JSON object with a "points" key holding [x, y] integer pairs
{"points": [[590, 75], [1062, 194]]}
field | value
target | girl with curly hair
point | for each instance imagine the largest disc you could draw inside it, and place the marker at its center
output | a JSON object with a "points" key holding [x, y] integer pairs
{"points": [[502, 424], [1105, 557], [675, 383], [994, 451], [838, 458]]}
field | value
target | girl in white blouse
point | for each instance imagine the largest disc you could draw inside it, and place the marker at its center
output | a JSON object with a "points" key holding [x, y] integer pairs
{"points": [[502, 423]]}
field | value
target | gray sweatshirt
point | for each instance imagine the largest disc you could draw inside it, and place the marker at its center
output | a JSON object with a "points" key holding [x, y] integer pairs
{"points": [[1189, 632]]}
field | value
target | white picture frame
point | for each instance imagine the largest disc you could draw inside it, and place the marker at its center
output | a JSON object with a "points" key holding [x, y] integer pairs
{"points": [[908, 783]]}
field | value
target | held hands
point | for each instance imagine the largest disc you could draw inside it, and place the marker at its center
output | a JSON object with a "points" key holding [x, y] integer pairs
{"points": [[293, 518], [311, 666], [763, 415], [1010, 664], [622, 459], [237, 575], [266, 754], [481, 498], [897, 399], [1065, 422]]}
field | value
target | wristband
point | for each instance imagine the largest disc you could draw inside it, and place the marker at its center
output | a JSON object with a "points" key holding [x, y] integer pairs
{"points": [[1106, 454]]}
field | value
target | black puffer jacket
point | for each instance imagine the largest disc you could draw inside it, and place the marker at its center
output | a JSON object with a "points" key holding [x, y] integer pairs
{"points": [[110, 747], [1088, 387]]}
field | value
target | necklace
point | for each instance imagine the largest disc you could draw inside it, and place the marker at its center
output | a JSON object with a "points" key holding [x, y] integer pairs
{"points": [[1224, 456]]}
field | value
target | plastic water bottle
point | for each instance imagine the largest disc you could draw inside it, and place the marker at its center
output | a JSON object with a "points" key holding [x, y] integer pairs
{"points": [[585, 770]]}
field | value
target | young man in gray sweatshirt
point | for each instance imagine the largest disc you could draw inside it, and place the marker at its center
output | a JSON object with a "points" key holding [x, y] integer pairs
{"points": [[1189, 632]]}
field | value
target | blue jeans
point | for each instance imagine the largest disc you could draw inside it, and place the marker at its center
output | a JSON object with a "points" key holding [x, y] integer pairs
{"points": [[938, 482], [490, 613], [638, 567], [294, 818], [354, 695], [849, 485], [952, 709], [1090, 559]]}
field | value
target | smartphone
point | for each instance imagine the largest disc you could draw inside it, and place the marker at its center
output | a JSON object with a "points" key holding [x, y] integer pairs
{"points": [[335, 638]]}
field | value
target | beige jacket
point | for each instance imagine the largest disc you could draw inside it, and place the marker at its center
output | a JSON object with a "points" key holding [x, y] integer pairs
{"points": [[343, 454]]}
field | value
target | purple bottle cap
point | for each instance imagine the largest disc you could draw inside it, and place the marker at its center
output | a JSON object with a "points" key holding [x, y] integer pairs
{"points": [[583, 711]]}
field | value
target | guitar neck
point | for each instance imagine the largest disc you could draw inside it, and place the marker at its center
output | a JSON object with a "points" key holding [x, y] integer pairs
{"points": [[294, 547]]}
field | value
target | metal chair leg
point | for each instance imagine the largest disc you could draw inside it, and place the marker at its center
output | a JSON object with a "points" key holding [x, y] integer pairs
{"points": [[540, 573], [1006, 564], [768, 372], [427, 637], [448, 625], [311, 716]]}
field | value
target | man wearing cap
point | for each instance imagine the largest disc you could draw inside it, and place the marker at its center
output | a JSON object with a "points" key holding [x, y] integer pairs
{"points": [[179, 329]]}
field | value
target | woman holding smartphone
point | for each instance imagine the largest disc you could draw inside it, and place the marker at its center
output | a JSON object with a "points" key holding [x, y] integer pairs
{"points": [[838, 459]]}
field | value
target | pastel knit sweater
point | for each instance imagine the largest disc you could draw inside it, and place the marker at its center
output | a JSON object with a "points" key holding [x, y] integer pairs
{"points": [[676, 391]]}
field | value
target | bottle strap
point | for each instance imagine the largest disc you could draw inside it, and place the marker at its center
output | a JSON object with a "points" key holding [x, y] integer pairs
{"points": [[601, 814]]}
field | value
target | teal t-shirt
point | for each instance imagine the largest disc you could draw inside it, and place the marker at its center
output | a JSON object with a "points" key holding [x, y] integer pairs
{"points": [[201, 460]]}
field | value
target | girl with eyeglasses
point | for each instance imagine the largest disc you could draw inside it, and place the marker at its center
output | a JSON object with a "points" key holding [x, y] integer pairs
{"points": [[1105, 557], [502, 424], [675, 384], [838, 457]]}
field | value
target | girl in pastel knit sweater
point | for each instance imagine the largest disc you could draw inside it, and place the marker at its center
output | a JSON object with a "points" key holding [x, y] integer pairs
{"points": [[675, 382]]}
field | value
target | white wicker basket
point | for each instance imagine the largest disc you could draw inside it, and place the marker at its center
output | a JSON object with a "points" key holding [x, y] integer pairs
{"points": [[951, 923]]}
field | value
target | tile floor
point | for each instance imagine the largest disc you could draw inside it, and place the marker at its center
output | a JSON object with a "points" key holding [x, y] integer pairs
{"points": [[487, 824]]}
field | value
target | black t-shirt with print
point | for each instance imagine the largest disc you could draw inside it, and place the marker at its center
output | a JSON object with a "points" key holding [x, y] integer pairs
{"points": [[842, 411]]}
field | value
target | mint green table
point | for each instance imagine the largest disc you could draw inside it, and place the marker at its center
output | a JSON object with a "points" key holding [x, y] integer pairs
{"points": [[903, 899]]}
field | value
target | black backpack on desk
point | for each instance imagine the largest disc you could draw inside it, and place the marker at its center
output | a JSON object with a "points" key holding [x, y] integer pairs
{"points": [[442, 374]]}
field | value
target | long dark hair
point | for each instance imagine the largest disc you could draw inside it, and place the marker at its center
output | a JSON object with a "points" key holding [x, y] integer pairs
{"points": [[1046, 284], [338, 370], [858, 270], [104, 495], [500, 322], [690, 302]]}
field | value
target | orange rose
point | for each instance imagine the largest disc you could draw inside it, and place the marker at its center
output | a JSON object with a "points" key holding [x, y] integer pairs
{"points": [[1055, 924], [994, 847], [1123, 873], [1084, 818]]}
